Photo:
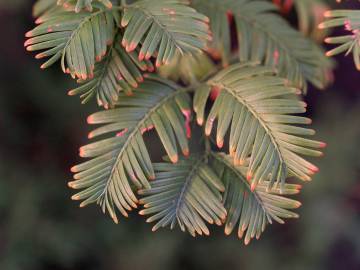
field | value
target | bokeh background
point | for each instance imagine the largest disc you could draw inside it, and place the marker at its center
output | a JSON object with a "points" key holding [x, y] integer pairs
{"points": [[41, 129]]}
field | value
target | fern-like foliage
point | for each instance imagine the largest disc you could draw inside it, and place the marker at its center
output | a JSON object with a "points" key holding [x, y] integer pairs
{"points": [[350, 21], [187, 194], [251, 210], [109, 45], [257, 107], [122, 160], [118, 71], [266, 37], [164, 27], [78, 39]]}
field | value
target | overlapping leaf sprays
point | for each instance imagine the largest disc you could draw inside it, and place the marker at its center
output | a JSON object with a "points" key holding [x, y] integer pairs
{"points": [[109, 46]]}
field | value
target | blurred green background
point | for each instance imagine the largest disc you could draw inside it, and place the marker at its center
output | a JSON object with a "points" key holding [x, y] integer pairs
{"points": [[41, 129]]}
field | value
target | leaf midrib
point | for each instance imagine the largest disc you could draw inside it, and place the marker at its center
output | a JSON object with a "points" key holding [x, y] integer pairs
{"points": [[78, 28], [255, 114], [136, 129], [166, 31], [187, 182], [229, 165]]}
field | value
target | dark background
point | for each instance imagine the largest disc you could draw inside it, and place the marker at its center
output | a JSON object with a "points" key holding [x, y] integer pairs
{"points": [[41, 129]]}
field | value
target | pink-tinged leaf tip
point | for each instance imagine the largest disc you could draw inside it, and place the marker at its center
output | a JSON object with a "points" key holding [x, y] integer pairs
{"points": [[116, 221], [321, 26], [305, 178], [276, 56], [39, 21], [249, 176], [91, 135], [187, 114], [75, 198], [81, 152], [124, 23], [141, 56], [90, 119], [215, 91], [122, 133], [314, 169], [327, 14], [82, 205], [174, 158], [73, 169], [140, 79], [40, 55], [227, 231], [132, 46], [186, 152], [70, 184], [218, 222], [135, 85], [71, 92], [27, 42]]}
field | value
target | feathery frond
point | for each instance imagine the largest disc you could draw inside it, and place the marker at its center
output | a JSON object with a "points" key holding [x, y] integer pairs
{"points": [[78, 39], [350, 20], [251, 210], [258, 106], [118, 71], [122, 160], [186, 193], [266, 37], [163, 28], [253, 103]]}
